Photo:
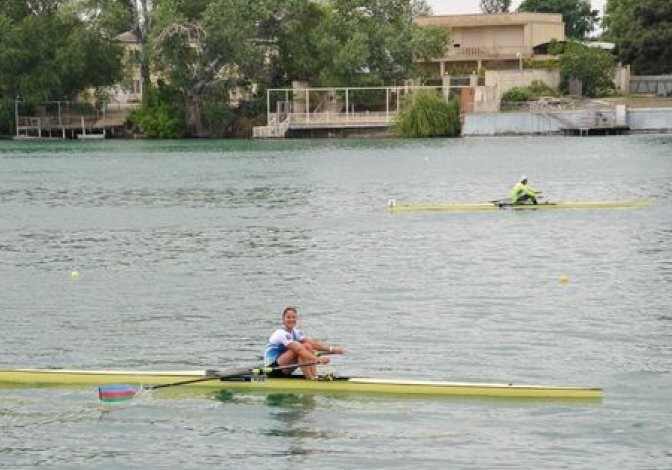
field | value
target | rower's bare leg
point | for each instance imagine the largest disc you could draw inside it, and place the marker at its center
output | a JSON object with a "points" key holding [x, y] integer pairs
{"points": [[309, 371], [287, 358]]}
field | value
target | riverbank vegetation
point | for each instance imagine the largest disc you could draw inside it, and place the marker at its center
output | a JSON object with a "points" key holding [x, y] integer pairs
{"points": [[429, 114], [205, 63], [642, 31]]}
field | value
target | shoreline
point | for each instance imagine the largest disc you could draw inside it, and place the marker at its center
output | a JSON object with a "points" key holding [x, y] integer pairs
{"points": [[604, 119]]}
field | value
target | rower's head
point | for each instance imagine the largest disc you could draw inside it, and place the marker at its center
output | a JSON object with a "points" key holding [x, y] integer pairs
{"points": [[289, 317], [523, 179]]}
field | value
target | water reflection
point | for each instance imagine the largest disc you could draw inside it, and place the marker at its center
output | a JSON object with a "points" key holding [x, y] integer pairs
{"points": [[291, 419], [292, 412]]}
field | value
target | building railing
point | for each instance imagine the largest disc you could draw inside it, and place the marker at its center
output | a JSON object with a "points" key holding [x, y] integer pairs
{"points": [[660, 85], [476, 52], [363, 118], [339, 107]]}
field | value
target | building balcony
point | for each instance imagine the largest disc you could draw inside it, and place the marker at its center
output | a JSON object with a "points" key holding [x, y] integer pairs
{"points": [[485, 53]]}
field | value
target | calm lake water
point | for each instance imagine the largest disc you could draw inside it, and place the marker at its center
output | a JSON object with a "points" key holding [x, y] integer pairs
{"points": [[188, 251]]}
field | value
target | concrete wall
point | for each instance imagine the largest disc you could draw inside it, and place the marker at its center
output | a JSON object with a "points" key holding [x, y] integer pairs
{"points": [[526, 123], [622, 78], [504, 80], [650, 119], [479, 20], [489, 38], [540, 33], [485, 99]]}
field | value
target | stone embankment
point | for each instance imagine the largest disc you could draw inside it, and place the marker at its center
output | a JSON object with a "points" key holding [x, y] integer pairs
{"points": [[585, 117]]}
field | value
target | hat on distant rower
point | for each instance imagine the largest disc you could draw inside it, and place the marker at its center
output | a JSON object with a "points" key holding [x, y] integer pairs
{"points": [[523, 179]]}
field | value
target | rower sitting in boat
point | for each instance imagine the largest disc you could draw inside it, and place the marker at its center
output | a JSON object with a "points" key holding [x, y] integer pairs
{"points": [[521, 193], [287, 346]]}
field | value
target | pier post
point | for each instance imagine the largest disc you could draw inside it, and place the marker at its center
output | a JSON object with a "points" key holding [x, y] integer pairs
{"points": [[16, 113]]}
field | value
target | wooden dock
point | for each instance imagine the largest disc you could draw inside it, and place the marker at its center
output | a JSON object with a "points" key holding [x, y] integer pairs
{"points": [[67, 120]]}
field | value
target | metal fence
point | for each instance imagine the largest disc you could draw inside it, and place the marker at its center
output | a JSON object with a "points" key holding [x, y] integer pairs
{"points": [[660, 85]]}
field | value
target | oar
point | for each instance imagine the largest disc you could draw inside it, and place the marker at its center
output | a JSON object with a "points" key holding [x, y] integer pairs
{"points": [[121, 392]]}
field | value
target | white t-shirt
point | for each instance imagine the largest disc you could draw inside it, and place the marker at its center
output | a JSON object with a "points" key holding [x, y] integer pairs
{"points": [[278, 342]]}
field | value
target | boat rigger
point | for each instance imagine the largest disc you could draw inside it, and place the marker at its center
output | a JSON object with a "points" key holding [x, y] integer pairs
{"points": [[393, 206], [259, 383]]}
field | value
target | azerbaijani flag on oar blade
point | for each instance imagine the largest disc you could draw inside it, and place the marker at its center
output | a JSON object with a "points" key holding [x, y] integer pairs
{"points": [[113, 393]]}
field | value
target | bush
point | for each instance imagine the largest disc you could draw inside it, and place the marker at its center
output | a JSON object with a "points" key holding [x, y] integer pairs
{"points": [[428, 114], [528, 93], [518, 94], [593, 66], [161, 114], [218, 117]]}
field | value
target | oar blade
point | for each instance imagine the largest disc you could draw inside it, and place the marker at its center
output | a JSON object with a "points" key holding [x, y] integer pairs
{"points": [[116, 393]]}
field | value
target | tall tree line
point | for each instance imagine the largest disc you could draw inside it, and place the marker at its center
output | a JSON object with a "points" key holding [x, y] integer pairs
{"points": [[49, 52], [642, 31], [495, 6], [202, 49], [579, 16]]}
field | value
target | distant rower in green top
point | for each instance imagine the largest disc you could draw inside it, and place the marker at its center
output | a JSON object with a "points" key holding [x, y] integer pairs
{"points": [[521, 193]]}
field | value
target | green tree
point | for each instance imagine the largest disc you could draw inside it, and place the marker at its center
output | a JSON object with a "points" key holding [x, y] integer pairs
{"points": [[375, 41], [421, 8], [617, 18], [113, 17], [14, 10], [109, 17], [495, 6], [49, 54], [642, 30], [207, 51], [580, 19], [593, 66], [296, 28], [428, 114]]}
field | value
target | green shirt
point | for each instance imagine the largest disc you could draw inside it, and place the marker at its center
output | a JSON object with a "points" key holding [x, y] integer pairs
{"points": [[519, 190]]}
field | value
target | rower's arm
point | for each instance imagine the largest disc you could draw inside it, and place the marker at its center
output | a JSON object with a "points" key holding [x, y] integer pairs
{"points": [[530, 191], [319, 346]]}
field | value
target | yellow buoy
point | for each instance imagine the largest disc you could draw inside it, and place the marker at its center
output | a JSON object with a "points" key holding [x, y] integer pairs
{"points": [[74, 274], [564, 279]]}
